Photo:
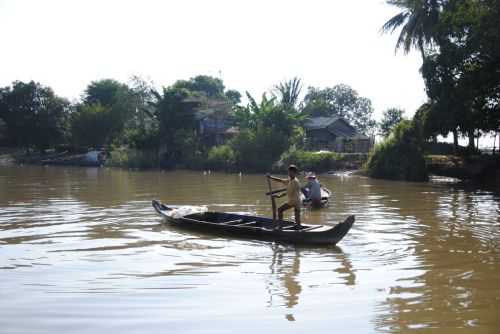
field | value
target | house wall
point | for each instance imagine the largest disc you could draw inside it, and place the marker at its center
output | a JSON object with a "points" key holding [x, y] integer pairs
{"points": [[322, 139], [213, 128], [210, 125], [356, 145]]}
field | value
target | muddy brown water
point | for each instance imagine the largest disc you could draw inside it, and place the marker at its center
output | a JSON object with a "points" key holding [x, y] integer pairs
{"points": [[82, 251]]}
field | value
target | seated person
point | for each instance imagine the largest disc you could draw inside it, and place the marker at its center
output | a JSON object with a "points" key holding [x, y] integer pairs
{"points": [[312, 190]]}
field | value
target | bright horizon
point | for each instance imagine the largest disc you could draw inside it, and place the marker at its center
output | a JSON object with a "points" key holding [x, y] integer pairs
{"points": [[250, 45]]}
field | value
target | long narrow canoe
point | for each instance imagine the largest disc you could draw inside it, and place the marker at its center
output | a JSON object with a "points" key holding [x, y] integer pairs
{"points": [[256, 227]]}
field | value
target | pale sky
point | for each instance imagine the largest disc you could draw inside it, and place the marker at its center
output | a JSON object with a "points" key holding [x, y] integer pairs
{"points": [[252, 45]]}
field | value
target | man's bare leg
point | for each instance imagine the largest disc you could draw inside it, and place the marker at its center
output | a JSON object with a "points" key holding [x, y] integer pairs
{"points": [[297, 216], [281, 209]]}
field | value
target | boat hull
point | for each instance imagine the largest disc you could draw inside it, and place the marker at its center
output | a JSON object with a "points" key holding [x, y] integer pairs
{"points": [[261, 228]]}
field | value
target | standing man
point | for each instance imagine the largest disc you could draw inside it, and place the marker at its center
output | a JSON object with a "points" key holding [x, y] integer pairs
{"points": [[293, 195]]}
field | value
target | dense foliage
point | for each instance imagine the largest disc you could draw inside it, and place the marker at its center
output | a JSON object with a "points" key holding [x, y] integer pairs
{"points": [[400, 156], [390, 119], [312, 161], [460, 45], [221, 158], [34, 116], [94, 118]]}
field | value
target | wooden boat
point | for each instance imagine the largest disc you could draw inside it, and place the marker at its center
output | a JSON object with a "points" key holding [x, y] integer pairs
{"points": [[256, 227]]}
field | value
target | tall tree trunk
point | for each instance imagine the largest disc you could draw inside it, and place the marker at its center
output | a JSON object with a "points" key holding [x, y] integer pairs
{"points": [[498, 142], [422, 51], [494, 143], [471, 140]]}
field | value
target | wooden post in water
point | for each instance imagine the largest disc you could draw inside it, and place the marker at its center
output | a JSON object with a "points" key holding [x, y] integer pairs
{"points": [[273, 200]]}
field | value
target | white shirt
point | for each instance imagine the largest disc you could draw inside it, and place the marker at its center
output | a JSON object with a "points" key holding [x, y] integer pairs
{"points": [[314, 189]]}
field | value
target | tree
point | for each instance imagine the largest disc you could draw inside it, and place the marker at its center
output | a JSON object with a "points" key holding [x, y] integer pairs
{"points": [[461, 77], [268, 128], [341, 101], [256, 150], [174, 109], [94, 118], [391, 117], [205, 84], [117, 97], [104, 92], [399, 156], [233, 96], [268, 114], [288, 92], [417, 20], [34, 116], [143, 99]]}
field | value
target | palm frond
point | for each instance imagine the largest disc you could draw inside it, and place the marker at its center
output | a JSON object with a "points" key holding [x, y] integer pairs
{"points": [[394, 23]]}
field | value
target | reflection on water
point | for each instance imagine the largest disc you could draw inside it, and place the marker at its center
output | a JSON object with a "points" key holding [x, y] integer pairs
{"points": [[82, 248], [284, 283]]}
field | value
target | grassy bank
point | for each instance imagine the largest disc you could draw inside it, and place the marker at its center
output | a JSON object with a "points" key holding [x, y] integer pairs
{"points": [[394, 162], [132, 158], [219, 158], [321, 162], [7, 156]]}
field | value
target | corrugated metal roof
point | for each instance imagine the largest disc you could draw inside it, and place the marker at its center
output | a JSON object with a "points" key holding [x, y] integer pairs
{"points": [[315, 123], [335, 125]]}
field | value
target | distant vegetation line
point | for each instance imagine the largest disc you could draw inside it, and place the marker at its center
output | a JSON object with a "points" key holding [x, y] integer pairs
{"points": [[193, 123], [197, 122]]}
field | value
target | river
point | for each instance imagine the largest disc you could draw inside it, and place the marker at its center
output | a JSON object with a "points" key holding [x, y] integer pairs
{"points": [[82, 251]]}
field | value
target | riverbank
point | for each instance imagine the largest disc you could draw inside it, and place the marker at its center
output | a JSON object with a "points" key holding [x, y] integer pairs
{"points": [[484, 169], [7, 156], [13, 156], [318, 162]]}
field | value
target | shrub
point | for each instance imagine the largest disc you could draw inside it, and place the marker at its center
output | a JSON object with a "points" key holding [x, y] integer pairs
{"points": [[221, 158], [142, 138], [311, 161], [132, 158], [194, 160], [400, 156], [257, 150]]}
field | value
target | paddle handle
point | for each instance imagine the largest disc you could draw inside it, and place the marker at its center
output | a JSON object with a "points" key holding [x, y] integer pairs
{"points": [[277, 191], [273, 200]]}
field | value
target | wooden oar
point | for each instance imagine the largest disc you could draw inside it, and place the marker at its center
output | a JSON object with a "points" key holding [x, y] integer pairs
{"points": [[273, 201], [277, 191]]}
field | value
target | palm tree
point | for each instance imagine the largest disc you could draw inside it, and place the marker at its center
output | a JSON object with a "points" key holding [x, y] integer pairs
{"points": [[418, 21], [288, 92]]}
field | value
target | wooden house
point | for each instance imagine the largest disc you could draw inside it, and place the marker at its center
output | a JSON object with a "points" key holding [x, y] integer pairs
{"points": [[335, 134], [215, 124]]}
